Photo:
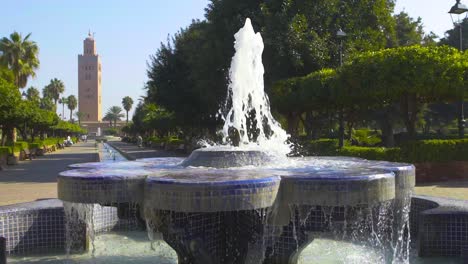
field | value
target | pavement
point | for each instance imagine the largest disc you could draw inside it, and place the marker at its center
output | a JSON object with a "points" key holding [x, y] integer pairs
{"points": [[37, 179], [456, 189]]}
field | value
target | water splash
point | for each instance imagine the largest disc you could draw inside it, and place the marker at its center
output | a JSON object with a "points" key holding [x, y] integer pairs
{"points": [[249, 122]]}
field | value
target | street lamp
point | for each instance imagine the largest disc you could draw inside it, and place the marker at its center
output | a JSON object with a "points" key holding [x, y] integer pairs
{"points": [[455, 13], [340, 34]]}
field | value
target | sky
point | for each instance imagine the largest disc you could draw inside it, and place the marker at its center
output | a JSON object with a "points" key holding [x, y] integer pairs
{"points": [[127, 33]]}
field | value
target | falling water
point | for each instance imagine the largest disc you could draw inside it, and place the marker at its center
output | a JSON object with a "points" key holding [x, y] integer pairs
{"points": [[249, 118]]}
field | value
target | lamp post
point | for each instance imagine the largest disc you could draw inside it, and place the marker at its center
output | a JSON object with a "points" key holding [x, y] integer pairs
{"points": [[455, 12], [340, 34]]}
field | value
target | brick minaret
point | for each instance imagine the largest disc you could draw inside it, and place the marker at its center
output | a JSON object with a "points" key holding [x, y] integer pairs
{"points": [[89, 81]]}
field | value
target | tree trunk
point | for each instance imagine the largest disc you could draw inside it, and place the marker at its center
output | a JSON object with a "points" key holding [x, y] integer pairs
{"points": [[341, 128], [350, 126], [127, 117], [293, 122], [387, 131], [409, 109], [4, 135]]}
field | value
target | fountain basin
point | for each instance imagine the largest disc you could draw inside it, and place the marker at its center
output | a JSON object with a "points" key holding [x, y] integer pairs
{"points": [[211, 190], [99, 186], [226, 158], [349, 187]]}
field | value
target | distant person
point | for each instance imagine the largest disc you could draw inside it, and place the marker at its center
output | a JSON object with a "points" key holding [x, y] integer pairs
{"points": [[139, 141], [69, 141]]}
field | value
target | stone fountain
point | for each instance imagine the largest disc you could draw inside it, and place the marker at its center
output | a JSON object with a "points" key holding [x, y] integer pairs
{"points": [[249, 203]]}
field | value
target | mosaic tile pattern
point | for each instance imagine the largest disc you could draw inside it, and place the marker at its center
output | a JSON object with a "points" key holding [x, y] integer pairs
{"points": [[442, 230], [211, 190], [39, 227], [102, 186], [181, 202]]}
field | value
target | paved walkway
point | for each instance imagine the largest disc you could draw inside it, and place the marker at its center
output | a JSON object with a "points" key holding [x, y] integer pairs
{"points": [[37, 179], [451, 189], [132, 151]]}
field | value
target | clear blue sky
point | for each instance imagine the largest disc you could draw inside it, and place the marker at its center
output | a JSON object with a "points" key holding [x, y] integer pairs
{"points": [[127, 32], [434, 13]]}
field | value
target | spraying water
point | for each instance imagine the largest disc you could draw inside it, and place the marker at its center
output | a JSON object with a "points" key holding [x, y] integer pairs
{"points": [[249, 118]]}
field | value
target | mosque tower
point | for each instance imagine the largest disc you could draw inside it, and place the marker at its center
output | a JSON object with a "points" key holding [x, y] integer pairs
{"points": [[89, 82]]}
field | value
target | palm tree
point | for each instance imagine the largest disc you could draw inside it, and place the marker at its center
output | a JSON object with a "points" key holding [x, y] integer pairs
{"points": [[54, 89], [72, 102], [20, 55], [79, 116], [63, 101], [108, 117], [127, 103], [114, 113], [33, 95]]}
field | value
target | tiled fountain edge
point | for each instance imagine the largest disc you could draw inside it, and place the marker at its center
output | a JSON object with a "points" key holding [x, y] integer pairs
{"points": [[39, 226], [440, 226]]}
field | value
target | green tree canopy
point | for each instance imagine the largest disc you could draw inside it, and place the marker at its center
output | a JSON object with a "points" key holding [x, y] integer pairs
{"points": [[127, 103], [33, 95], [72, 103], [21, 56], [114, 114], [54, 89], [407, 76]]}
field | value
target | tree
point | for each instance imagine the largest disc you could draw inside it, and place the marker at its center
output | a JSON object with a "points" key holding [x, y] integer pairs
{"points": [[300, 36], [54, 89], [406, 77], [9, 109], [127, 103], [72, 103], [63, 101], [408, 31], [79, 116], [21, 56], [452, 36], [114, 114], [33, 95]]}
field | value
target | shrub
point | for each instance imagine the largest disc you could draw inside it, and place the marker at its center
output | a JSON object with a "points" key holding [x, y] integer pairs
{"points": [[34, 146], [367, 137], [435, 150], [372, 153], [5, 151], [322, 147], [20, 145]]}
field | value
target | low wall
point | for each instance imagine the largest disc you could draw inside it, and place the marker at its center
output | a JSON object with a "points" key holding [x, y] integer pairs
{"points": [[39, 227], [441, 171], [440, 226]]}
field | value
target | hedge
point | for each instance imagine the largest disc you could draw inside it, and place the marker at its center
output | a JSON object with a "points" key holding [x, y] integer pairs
{"points": [[372, 153], [5, 150], [413, 152]]}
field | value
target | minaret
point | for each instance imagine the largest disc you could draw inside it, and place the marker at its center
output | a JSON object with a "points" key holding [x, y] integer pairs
{"points": [[89, 81]]}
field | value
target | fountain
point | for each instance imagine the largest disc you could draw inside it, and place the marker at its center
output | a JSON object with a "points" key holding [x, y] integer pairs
{"points": [[245, 201]]}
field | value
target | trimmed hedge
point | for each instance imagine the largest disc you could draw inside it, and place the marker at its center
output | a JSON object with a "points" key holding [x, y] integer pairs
{"points": [[5, 150], [166, 140], [371, 153], [413, 152], [322, 147], [435, 150]]}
